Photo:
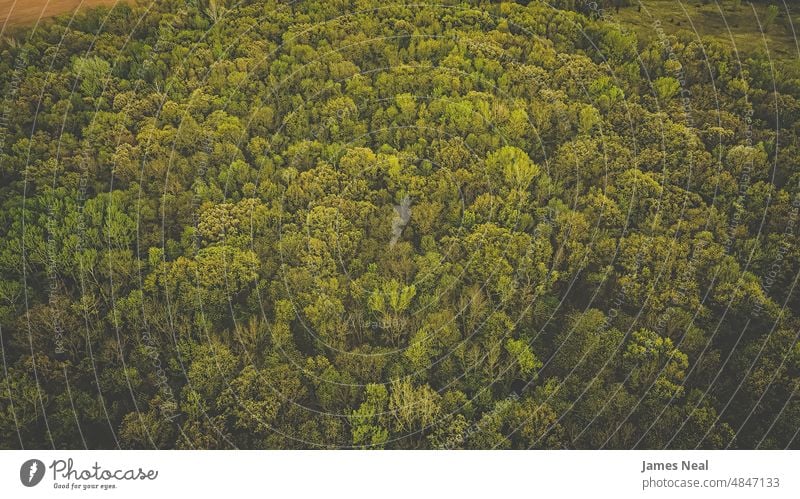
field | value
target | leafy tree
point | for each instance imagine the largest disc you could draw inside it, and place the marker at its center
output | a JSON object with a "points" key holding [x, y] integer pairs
{"points": [[769, 16], [369, 420]]}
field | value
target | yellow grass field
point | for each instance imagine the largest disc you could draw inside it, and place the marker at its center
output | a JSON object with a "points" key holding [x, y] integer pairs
{"points": [[27, 12]]}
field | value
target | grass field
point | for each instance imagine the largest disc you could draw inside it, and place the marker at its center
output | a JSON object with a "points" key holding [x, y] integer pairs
{"points": [[28, 12], [720, 20]]}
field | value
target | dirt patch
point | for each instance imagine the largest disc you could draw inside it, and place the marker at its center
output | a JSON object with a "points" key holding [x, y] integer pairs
{"points": [[27, 12]]}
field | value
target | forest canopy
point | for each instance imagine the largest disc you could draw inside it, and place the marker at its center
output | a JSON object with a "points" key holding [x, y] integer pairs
{"points": [[351, 223]]}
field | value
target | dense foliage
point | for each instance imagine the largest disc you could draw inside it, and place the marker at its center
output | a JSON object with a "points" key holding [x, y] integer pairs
{"points": [[359, 223]]}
